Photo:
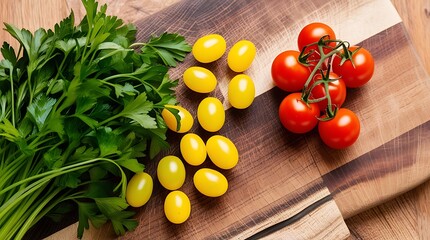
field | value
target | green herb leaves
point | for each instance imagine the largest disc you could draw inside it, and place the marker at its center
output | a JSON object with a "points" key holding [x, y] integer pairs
{"points": [[78, 106], [40, 109], [170, 48]]}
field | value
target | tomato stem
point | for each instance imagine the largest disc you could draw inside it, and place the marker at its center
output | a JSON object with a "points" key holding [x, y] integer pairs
{"points": [[322, 44]]}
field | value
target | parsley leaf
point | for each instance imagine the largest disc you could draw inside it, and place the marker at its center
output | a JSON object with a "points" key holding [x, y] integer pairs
{"points": [[138, 110], [169, 47], [113, 208], [8, 53], [40, 109], [88, 211], [108, 141]]}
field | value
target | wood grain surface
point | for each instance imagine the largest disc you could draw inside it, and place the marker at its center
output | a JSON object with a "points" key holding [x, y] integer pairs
{"points": [[405, 217]]}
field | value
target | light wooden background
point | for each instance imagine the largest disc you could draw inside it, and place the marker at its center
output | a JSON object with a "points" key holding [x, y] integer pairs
{"points": [[405, 217]]}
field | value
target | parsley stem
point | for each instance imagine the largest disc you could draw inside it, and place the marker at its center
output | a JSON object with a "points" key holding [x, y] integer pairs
{"points": [[52, 205], [138, 44], [20, 195], [59, 101], [109, 119], [60, 70], [123, 75], [57, 172], [12, 96], [35, 212], [30, 88], [10, 172], [25, 170], [17, 216]]}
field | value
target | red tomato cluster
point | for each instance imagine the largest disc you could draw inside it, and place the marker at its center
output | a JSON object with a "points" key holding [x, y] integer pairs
{"points": [[323, 65]]}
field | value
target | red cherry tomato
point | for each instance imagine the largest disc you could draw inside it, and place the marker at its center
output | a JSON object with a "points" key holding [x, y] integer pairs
{"points": [[341, 131], [313, 32], [336, 89], [288, 73], [359, 74], [296, 116]]}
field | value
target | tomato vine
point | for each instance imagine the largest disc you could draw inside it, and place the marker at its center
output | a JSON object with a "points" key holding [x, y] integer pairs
{"points": [[323, 70], [323, 58]]}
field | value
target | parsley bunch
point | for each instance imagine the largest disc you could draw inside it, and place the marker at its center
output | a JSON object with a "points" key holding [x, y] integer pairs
{"points": [[78, 106]]}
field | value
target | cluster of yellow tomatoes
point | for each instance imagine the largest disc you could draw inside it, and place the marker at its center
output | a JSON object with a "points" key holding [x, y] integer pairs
{"points": [[221, 151]]}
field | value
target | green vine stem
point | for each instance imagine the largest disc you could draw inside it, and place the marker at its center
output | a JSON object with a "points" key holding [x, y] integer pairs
{"points": [[325, 58]]}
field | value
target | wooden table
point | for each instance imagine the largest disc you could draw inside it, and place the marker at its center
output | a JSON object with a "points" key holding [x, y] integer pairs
{"points": [[405, 217]]}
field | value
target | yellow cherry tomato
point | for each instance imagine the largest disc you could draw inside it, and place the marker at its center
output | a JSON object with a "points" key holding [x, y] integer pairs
{"points": [[222, 152], [139, 189], [211, 114], [209, 48], [210, 182], [177, 207], [241, 91], [193, 149], [186, 122], [171, 172], [241, 55], [200, 79]]}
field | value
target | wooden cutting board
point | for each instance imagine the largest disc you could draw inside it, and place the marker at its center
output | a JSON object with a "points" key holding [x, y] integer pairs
{"points": [[289, 183]]}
